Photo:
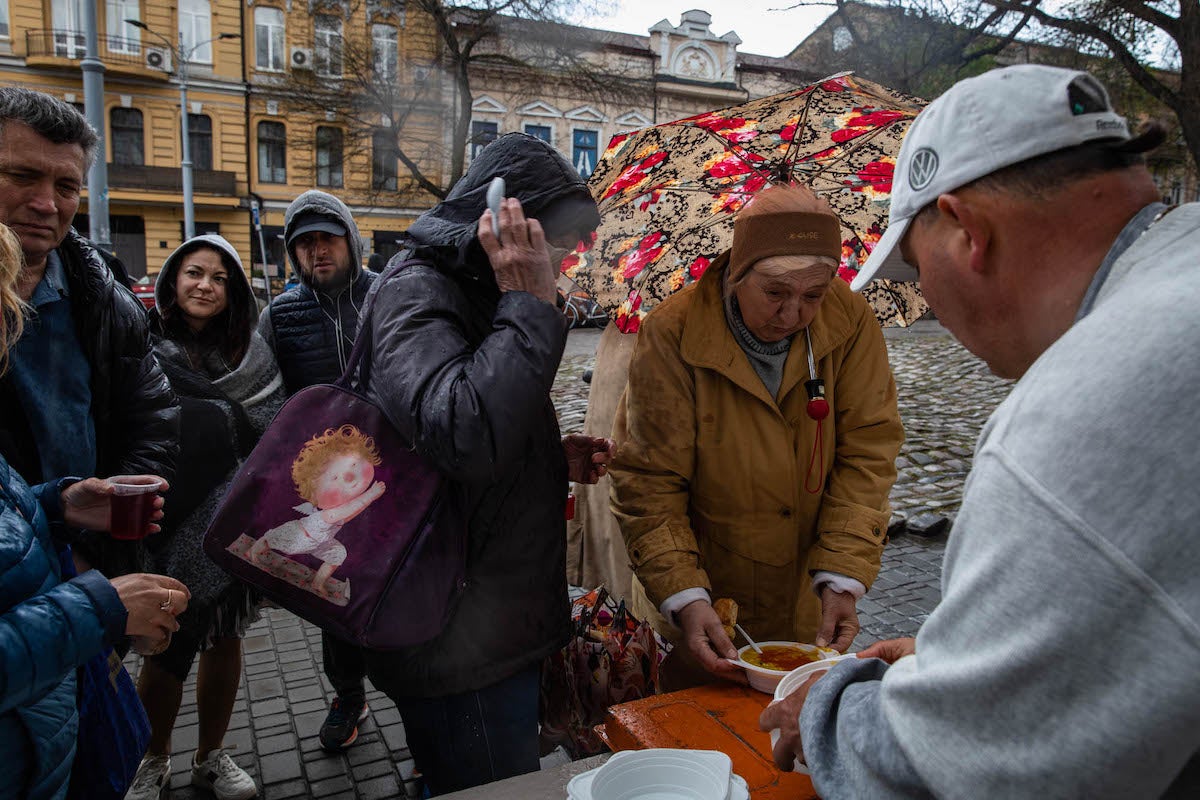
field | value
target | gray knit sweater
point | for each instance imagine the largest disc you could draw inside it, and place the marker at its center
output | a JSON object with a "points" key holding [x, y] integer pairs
{"points": [[1064, 658]]}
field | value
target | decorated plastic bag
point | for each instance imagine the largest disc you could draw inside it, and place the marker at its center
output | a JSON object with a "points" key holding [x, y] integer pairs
{"points": [[612, 658]]}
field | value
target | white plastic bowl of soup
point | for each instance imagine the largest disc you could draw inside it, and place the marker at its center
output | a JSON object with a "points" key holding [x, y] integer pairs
{"points": [[793, 681], [765, 670]]}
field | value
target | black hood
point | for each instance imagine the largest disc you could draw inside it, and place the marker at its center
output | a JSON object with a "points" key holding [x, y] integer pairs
{"points": [[534, 173]]}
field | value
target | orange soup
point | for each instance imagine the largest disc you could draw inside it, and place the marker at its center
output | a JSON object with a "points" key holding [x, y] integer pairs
{"points": [[783, 658]]}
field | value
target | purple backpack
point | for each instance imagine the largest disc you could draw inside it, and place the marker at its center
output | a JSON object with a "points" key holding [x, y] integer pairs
{"points": [[336, 518]]}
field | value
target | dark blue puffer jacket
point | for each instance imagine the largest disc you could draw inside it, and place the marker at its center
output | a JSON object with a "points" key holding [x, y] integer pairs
{"points": [[48, 627]]}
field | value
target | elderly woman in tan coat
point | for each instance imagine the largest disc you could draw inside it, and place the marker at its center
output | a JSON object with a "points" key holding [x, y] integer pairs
{"points": [[729, 479]]}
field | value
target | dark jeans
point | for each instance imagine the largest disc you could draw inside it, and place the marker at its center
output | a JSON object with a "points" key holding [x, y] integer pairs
{"points": [[345, 667], [469, 739]]}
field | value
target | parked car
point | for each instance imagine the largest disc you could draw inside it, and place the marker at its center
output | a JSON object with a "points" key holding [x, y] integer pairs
{"points": [[143, 290]]}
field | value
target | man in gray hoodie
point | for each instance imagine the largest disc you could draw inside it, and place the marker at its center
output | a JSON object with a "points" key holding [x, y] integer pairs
{"points": [[312, 329], [1062, 660]]}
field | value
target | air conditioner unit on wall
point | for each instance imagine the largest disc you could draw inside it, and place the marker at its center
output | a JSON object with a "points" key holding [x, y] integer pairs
{"points": [[301, 58], [157, 58]]}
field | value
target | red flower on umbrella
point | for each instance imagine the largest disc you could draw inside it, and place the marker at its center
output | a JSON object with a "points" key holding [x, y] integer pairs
{"points": [[865, 120], [876, 177], [788, 132], [733, 201], [698, 266], [826, 153], [835, 85], [615, 143], [733, 129], [648, 200], [732, 164], [635, 174], [628, 319], [647, 253]]}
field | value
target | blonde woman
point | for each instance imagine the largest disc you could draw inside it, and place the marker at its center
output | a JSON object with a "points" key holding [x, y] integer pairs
{"points": [[47, 632], [757, 439]]}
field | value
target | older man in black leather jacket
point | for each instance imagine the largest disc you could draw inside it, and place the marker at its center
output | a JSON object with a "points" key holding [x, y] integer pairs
{"points": [[84, 395]]}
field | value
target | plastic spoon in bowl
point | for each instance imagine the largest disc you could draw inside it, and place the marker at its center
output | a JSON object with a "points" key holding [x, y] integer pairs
{"points": [[753, 643]]}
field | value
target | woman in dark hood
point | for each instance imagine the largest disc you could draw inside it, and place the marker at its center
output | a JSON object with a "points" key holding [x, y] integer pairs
{"points": [[229, 388], [466, 342]]}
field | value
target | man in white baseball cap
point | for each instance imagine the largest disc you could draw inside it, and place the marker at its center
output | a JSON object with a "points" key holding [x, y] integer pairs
{"points": [[1062, 660]]}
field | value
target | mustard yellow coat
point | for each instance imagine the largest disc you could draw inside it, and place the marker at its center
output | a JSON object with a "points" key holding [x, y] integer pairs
{"points": [[709, 478]]}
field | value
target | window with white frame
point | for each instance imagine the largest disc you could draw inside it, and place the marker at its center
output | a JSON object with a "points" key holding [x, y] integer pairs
{"points": [[539, 132], [4, 20], [327, 45], [329, 157], [583, 150], [268, 38], [195, 26], [122, 37], [482, 134], [386, 50], [67, 18], [272, 152]]}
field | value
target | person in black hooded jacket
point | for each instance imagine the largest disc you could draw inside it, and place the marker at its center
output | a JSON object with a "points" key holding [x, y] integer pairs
{"points": [[466, 340]]}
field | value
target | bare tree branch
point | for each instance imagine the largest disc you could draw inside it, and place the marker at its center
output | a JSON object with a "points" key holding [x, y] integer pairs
{"points": [[1143, 76]]}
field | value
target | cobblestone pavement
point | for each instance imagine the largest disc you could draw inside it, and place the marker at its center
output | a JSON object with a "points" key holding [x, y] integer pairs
{"points": [[945, 396]]}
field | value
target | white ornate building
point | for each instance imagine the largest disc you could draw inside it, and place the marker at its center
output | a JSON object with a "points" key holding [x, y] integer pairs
{"points": [[675, 71]]}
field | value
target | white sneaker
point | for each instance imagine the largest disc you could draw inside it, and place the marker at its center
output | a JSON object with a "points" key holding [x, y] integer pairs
{"points": [[153, 775], [222, 777]]}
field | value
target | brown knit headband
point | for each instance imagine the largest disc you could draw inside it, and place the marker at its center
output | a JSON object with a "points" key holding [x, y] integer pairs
{"points": [[782, 233]]}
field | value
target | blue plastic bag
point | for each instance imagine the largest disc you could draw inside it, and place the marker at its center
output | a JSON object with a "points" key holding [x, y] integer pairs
{"points": [[113, 729]]}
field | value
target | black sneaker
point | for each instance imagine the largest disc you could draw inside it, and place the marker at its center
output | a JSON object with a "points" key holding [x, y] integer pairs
{"points": [[340, 728]]}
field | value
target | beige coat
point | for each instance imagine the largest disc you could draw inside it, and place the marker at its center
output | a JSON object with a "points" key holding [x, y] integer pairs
{"points": [[709, 479], [595, 551]]}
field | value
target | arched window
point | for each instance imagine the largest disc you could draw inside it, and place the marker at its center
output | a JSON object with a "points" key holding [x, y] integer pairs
{"points": [[329, 157], [195, 26], [272, 152], [386, 50], [128, 146], [268, 38]]}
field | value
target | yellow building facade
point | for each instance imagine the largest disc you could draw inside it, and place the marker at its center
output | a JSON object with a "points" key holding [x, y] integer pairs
{"points": [[247, 146]]}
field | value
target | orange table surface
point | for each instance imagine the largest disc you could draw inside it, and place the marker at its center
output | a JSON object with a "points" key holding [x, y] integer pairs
{"points": [[720, 717]]}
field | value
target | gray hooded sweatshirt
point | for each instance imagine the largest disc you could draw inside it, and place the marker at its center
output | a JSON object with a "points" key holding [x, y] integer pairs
{"points": [[311, 331]]}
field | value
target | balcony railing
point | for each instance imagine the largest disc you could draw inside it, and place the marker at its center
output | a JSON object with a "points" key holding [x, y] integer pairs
{"points": [[170, 179], [63, 43]]}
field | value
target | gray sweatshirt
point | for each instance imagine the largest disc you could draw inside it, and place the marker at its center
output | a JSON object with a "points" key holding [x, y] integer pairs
{"points": [[1064, 658]]}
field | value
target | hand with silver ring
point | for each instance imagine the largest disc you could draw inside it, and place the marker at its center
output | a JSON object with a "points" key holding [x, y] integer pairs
{"points": [[149, 614]]}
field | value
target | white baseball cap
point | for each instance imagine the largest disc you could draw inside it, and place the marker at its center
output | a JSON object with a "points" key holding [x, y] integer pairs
{"points": [[984, 124]]}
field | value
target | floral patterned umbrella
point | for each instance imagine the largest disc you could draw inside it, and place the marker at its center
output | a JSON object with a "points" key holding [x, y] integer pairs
{"points": [[668, 194]]}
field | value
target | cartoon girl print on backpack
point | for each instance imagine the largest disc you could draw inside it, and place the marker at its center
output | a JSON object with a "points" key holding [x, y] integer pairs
{"points": [[334, 474]]}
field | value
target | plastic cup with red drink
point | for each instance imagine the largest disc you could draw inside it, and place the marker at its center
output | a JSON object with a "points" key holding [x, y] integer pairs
{"points": [[132, 506]]}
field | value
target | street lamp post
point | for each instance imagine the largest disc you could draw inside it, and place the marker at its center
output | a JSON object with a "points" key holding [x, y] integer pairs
{"points": [[182, 57]]}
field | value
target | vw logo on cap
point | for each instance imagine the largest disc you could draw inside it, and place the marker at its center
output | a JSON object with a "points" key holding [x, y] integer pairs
{"points": [[924, 166]]}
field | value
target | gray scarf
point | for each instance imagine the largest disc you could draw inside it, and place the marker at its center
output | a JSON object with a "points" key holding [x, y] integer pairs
{"points": [[767, 358]]}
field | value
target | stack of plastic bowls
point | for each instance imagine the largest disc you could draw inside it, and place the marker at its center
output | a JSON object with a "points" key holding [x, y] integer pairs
{"points": [[791, 682], [661, 774]]}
